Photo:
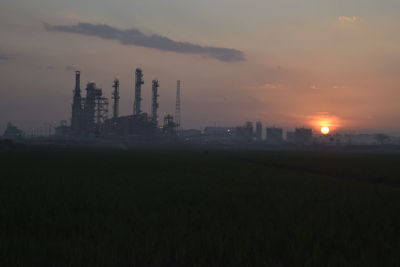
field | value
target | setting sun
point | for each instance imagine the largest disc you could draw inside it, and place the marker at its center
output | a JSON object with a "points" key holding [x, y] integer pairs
{"points": [[325, 130]]}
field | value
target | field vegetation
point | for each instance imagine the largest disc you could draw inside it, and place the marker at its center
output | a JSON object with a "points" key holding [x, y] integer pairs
{"points": [[88, 207]]}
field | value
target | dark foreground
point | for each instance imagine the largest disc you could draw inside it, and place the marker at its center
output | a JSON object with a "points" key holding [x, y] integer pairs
{"points": [[201, 208]]}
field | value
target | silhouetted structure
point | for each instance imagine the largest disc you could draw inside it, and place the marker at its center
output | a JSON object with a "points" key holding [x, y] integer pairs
{"points": [[178, 104], [89, 115], [116, 97], [62, 130], [138, 92], [274, 135], [245, 133], [95, 110], [303, 136], [13, 132], [219, 135], [290, 137], [155, 105], [192, 136], [76, 118], [259, 131], [382, 139], [169, 125]]}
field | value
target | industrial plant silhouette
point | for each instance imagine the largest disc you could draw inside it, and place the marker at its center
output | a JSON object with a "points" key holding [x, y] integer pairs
{"points": [[89, 114]]}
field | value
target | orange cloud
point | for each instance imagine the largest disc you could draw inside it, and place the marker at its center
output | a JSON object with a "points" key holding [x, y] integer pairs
{"points": [[348, 19], [266, 86]]}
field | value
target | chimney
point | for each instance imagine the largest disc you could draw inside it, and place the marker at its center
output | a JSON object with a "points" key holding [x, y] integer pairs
{"points": [[77, 81]]}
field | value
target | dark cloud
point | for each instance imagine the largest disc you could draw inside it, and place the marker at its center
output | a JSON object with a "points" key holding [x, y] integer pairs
{"points": [[5, 57], [136, 37]]}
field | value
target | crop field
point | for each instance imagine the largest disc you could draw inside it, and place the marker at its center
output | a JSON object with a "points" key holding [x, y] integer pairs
{"points": [[104, 207]]}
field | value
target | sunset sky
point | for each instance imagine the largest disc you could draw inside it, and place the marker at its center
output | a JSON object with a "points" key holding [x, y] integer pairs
{"points": [[284, 63]]}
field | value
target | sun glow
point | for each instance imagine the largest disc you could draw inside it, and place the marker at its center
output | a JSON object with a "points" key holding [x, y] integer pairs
{"points": [[325, 123], [325, 130]]}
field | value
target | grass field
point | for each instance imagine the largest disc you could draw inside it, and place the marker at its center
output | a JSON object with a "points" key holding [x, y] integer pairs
{"points": [[74, 207]]}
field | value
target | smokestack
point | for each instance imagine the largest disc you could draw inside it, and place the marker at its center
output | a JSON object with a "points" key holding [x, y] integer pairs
{"points": [[138, 92], [154, 101], [178, 104], [76, 118], [77, 81], [115, 96]]}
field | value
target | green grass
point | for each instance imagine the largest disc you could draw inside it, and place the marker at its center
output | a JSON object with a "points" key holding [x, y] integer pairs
{"points": [[182, 208]]}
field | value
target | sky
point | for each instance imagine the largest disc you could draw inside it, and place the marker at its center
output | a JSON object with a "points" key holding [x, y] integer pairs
{"points": [[305, 63]]}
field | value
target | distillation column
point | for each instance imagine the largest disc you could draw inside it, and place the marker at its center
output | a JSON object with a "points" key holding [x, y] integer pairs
{"points": [[178, 104], [138, 91], [76, 118], [155, 104], [115, 97]]}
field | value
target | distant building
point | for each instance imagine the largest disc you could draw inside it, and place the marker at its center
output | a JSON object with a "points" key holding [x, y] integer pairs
{"points": [[382, 139], [169, 127], [220, 135], [290, 137], [219, 131], [329, 139], [249, 127], [361, 139], [245, 134], [259, 131], [62, 130], [395, 140], [274, 135], [13, 132], [355, 139], [191, 136], [303, 136]]}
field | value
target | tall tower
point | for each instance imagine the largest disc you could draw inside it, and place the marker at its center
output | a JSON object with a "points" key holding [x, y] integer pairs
{"points": [[115, 97], [89, 108], [76, 118], [138, 92], [154, 105], [259, 131], [178, 104]]}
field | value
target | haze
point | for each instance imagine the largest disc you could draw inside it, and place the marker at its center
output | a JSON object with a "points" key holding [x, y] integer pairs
{"points": [[285, 63]]}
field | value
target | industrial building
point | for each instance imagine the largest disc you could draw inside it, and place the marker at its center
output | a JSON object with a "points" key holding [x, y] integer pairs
{"points": [[245, 134], [301, 136], [259, 131], [220, 135], [89, 118], [12, 132], [274, 135]]}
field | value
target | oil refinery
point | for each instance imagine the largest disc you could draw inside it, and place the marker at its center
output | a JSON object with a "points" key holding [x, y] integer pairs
{"points": [[89, 114]]}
